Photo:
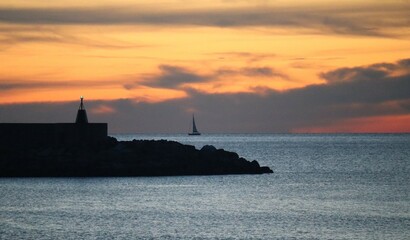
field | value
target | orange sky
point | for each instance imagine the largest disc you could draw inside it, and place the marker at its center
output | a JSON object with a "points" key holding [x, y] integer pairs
{"points": [[109, 50]]}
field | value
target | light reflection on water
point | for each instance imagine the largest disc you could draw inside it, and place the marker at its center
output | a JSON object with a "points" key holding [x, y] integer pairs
{"points": [[324, 187]]}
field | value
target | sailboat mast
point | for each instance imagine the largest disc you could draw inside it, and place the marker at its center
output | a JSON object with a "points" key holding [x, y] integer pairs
{"points": [[194, 130], [193, 124]]}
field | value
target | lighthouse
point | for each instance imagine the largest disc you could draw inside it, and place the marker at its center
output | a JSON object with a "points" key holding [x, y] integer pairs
{"points": [[81, 114]]}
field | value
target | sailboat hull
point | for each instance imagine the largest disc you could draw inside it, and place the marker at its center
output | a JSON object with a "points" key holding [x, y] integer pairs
{"points": [[194, 134]]}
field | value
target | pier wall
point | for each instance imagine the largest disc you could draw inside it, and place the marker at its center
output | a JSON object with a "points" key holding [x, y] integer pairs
{"points": [[52, 134]]}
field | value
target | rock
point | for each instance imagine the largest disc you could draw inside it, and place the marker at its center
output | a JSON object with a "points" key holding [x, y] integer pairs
{"points": [[255, 163], [208, 148], [122, 158]]}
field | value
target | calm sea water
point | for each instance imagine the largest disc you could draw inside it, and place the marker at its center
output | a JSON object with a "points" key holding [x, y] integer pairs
{"points": [[324, 187]]}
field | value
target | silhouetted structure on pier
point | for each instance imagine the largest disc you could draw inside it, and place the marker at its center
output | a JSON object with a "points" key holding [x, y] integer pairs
{"points": [[81, 114], [54, 134]]}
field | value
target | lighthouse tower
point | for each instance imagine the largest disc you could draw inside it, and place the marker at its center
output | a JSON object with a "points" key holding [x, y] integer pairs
{"points": [[81, 114]]}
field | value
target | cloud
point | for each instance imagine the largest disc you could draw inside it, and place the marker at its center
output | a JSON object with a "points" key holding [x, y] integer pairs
{"points": [[303, 108], [262, 72], [30, 84], [11, 35], [404, 63], [353, 74], [103, 109], [250, 57], [173, 76], [7, 85], [169, 77], [259, 71], [251, 72], [177, 77], [350, 19], [373, 72], [13, 39]]}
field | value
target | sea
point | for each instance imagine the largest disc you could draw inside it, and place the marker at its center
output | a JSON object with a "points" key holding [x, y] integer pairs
{"points": [[324, 186]]}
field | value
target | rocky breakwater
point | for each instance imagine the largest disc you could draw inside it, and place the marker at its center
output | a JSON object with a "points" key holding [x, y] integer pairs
{"points": [[122, 158]]}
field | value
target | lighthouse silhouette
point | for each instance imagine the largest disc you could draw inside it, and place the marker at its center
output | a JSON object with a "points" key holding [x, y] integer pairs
{"points": [[81, 114]]}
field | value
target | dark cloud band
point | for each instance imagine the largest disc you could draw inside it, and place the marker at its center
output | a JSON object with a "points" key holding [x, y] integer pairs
{"points": [[349, 20]]}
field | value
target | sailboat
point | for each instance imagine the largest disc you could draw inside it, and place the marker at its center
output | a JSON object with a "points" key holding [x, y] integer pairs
{"points": [[194, 130]]}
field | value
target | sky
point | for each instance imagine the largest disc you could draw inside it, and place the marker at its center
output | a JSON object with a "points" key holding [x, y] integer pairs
{"points": [[261, 66]]}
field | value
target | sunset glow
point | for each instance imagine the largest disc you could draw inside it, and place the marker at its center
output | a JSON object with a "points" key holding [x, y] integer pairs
{"points": [[192, 54]]}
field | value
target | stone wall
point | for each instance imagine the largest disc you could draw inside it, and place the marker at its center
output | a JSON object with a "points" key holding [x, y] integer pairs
{"points": [[52, 134]]}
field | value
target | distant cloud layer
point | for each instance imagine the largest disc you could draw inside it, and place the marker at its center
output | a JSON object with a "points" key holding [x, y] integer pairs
{"points": [[173, 77], [381, 89], [7, 84], [354, 19], [373, 72], [176, 77]]}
